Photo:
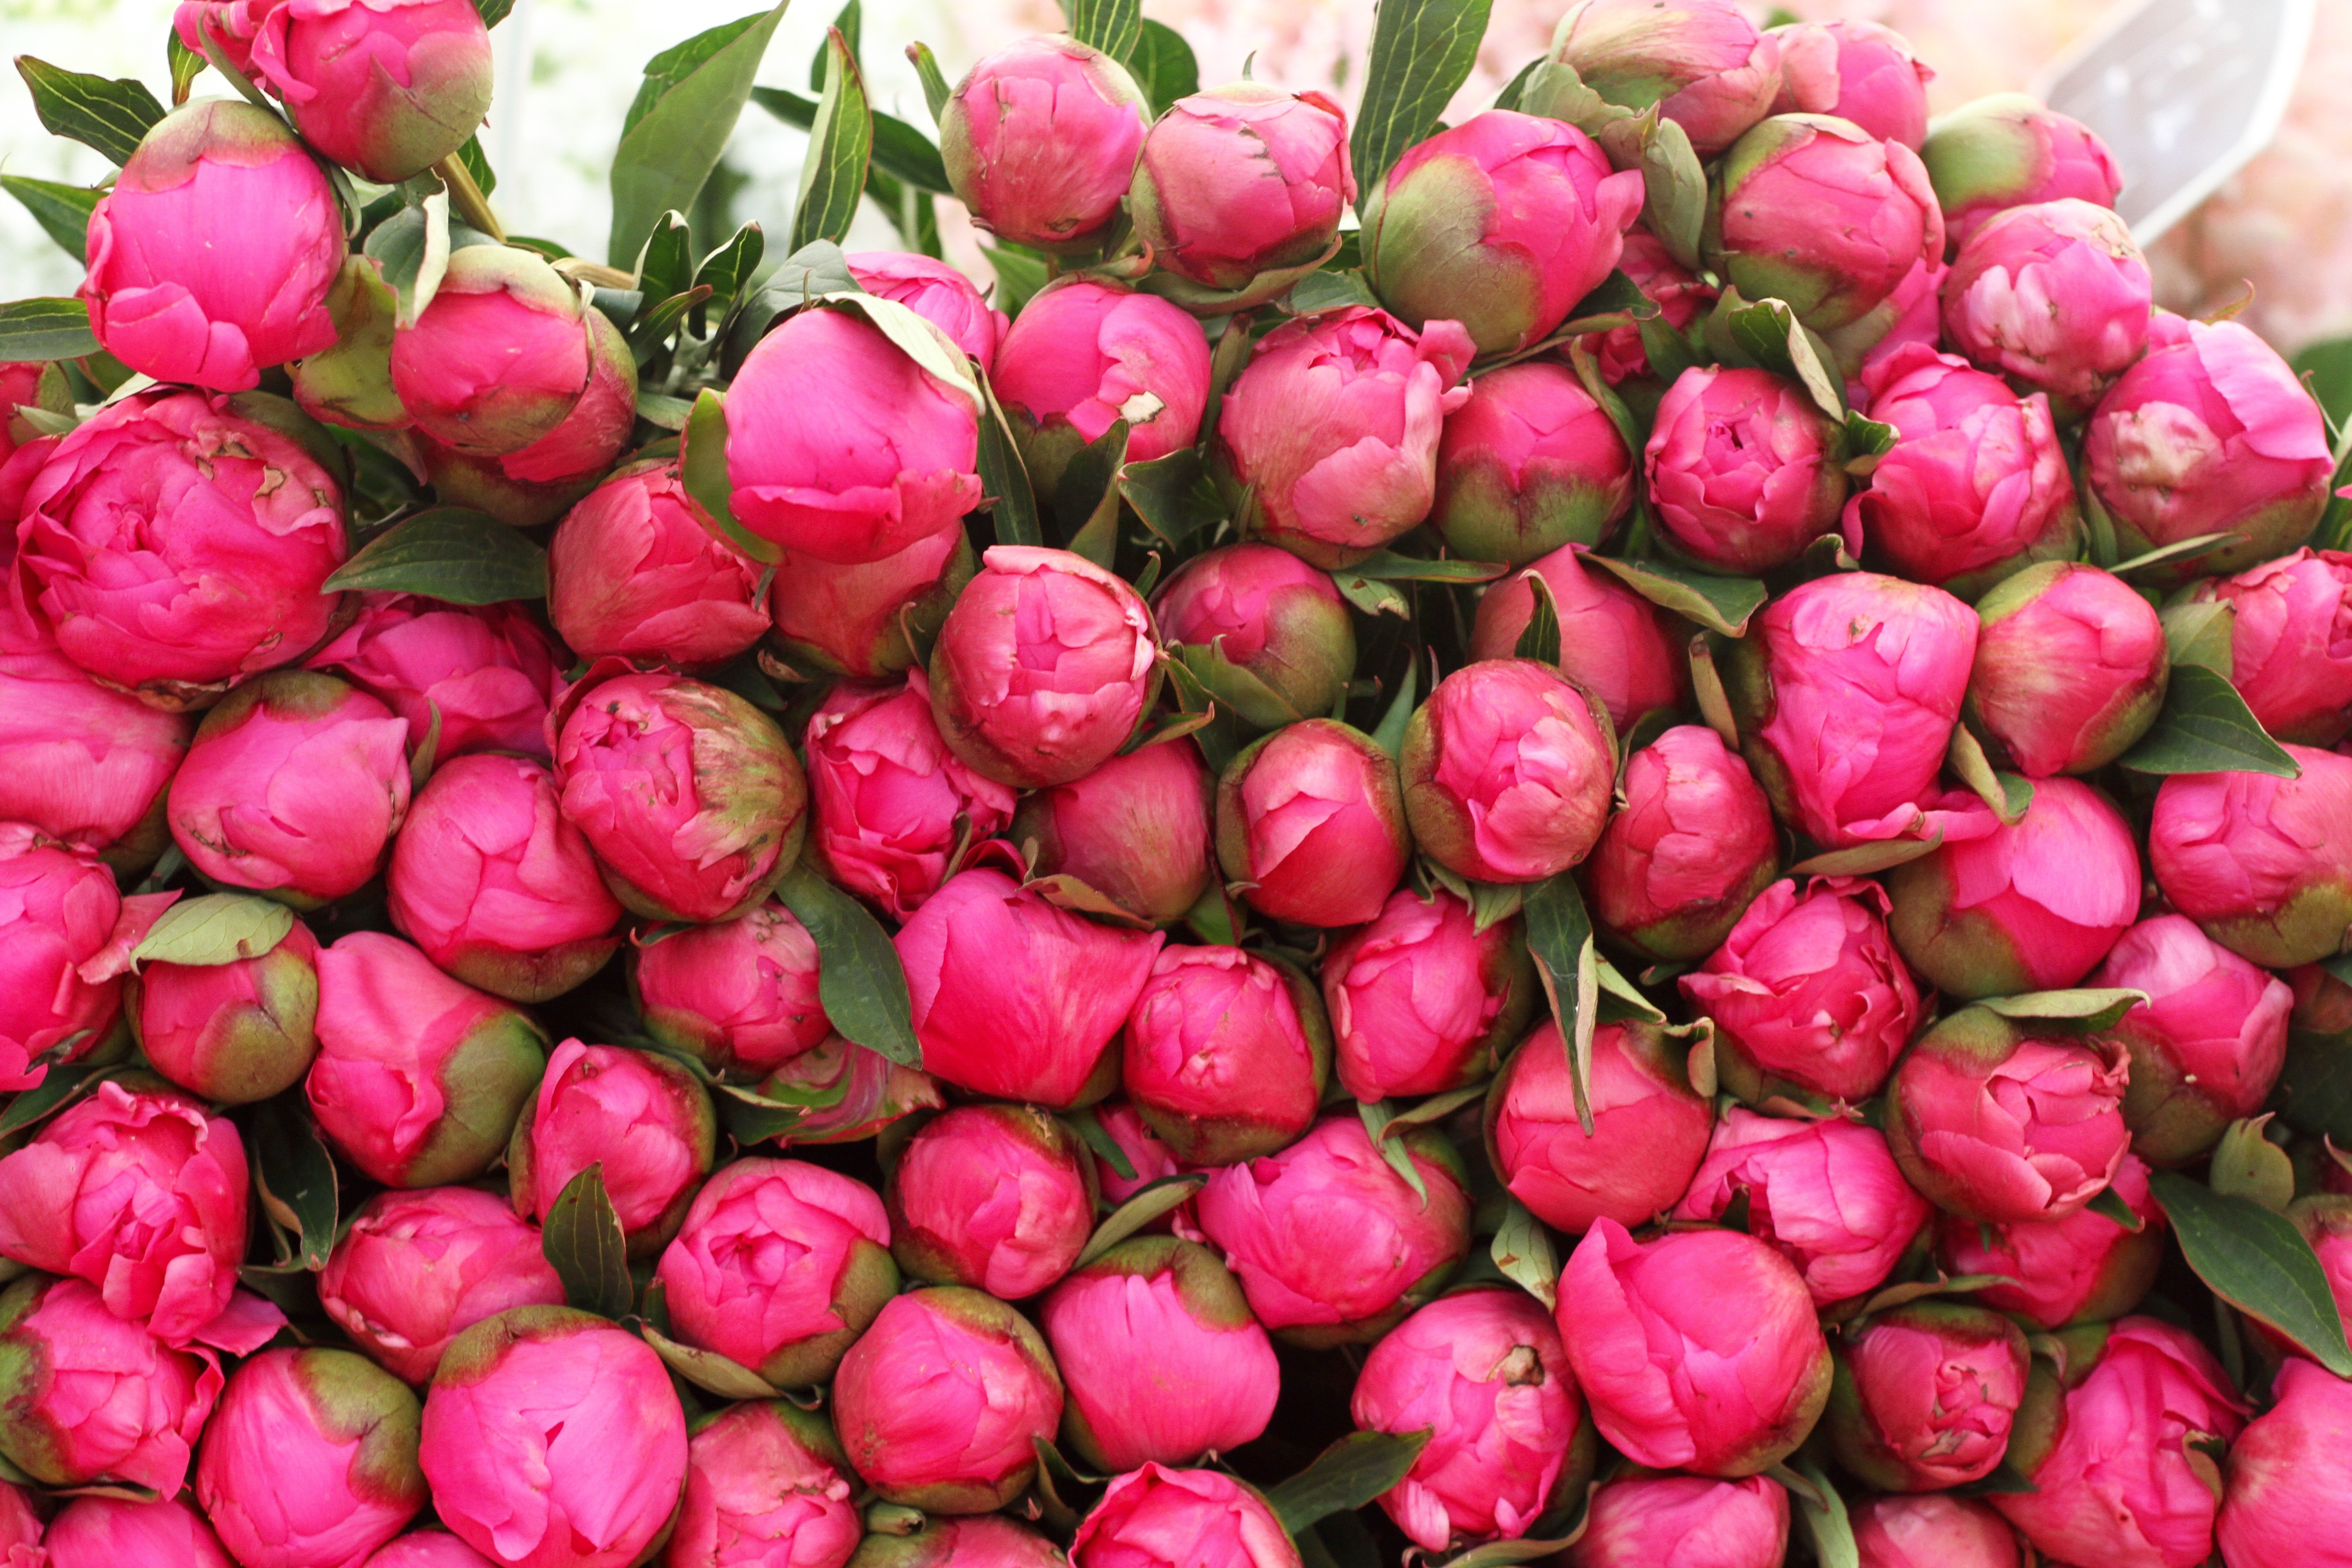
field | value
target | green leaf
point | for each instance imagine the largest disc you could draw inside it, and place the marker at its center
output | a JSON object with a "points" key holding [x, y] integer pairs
{"points": [[2258, 1262], [1510, 97], [899, 150], [1173, 495], [295, 1176], [1320, 291], [2314, 1087], [411, 249], [666, 265], [476, 164], [1720, 603], [449, 554], [850, 22], [727, 271], [834, 177], [1422, 51], [1615, 302], [1085, 501], [1346, 1475], [1377, 1115], [702, 469], [751, 1117], [2201, 634], [1387, 566], [1390, 736], [493, 11], [583, 1243], [1769, 332], [60, 1084], [1825, 1519], [2009, 794], [62, 211], [46, 330], [1372, 596], [1540, 641], [216, 929], [1089, 1128], [2203, 544], [111, 116], [2248, 1165], [2085, 1010], [707, 1369], [1559, 935], [2206, 727], [1005, 480], [679, 124], [1020, 273], [1163, 66], [1114, 27], [2327, 365], [184, 63], [859, 979], [1148, 1204], [1522, 1250], [935, 86]]}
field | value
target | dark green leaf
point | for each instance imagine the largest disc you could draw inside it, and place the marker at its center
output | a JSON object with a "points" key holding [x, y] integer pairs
{"points": [[1540, 641], [1173, 495], [110, 116], [2315, 1088], [186, 64], [2328, 366], [1720, 603], [2186, 549], [1089, 1128], [1559, 935], [1163, 66], [1019, 275], [1825, 1519], [2206, 727], [1616, 297], [675, 131], [295, 1176], [860, 983], [411, 250], [1510, 97], [1581, 360], [58, 1085], [477, 163], [1377, 1115], [666, 265], [1674, 193], [2258, 1262], [582, 1242], [62, 211], [1387, 566], [851, 24], [707, 1369], [1390, 736], [1372, 596], [1004, 480], [493, 11], [1319, 291], [751, 1117], [834, 176], [2110, 1204], [1148, 1204], [2085, 1010], [1349, 1474], [1085, 500], [727, 271], [1867, 437], [1769, 332], [449, 554], [1422, 51], [899, 150], [935, 86], [216, 929], [46, 330], [1114, 27]]}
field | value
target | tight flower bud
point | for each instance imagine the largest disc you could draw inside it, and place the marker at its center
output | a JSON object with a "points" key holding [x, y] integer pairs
{"points": [[211, 257], [233, 1033], [79, 761], [1268, 635], [1485, 1372], [486, 673], [1739, 469], [1040, 140], [538, 483], [387, 89], [857, 620], [1015, 998], [1858, 70], [1827, 1194], [939, 292], [2008, 151], [780, 1266], [1689, 850], [2070, 669], [2290, 642], [1997, 300], [1989, 1120], [2083, 1269], [1161, 1357], [1642, 1522], [414, 1270], [1238, 192], [1225, 1054], [1527, 465], [86, 1396], [1515, 217], [499, 358], [1698, 1351], [1931, 1529], [111, 1532], [961, 1540], [1161, 1518], [1313, 818], [1331, 1246], [998, 1197], [66, 936], [1507, 769], [1084, 355], [427, 1549], [766, 1486], [631, 572], [1702, 63], [1649, 1128], [942, 1403], [1423, 1003], [1821, 213], [1925, 1396], [1613, 642], [740, 997], [2263, 863], [639, 1115], [2285, 1503], [2207, 1044], [1135, 830]]}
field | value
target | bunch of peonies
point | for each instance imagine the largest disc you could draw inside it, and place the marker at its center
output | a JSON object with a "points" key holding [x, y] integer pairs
{"points": [[1647, 806]]}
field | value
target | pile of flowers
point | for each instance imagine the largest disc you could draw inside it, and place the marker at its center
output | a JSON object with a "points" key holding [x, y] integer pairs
{"points": [[1621, 835]]}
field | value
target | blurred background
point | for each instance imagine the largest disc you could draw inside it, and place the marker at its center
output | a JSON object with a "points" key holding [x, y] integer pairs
{"points": [[568, 68]]}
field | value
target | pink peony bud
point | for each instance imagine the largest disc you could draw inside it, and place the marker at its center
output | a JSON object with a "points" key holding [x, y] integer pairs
{"points": [[2290, 642], [86, 1396], [238, 1032], [2207, 1044], [496, 887], [766, 1486], [20, 1530], [997, 1198], [1332, 429], [2083, 1269], [1646, 1522], [1146, 1155], [940, 1404], [1740, 470], [1135, 830], [427, 1549], [486, 673], [1238, 192], [1680, 294], [937, 291], [500, 356], [79, 761], [1507, 769], [690, 796], [29, 385], [1649, 1128], [552, 1439], [2285, 1502], [1163, 1359], [1161, 1518], [780, 1266], [1851, 684], [1933, 1530], [139, 592], [1990, 1121], [537, 483], [740, 997], [1268, 635], [1331, 1246], [65, 941], [2007, 151], [1225, 1054], [2263, 863], [2070, 669], [140, 1192], [111, 1532], [1912, 314], [1824, 216], [966, 1540], [638, 1114], [1925, 1396], [419, 1079], [1085, 354], [2151, 1391], [1515, 215], [1422, 1002], [632, 573], [1691, 848], [1999, 295], [845, 1093], [1015, 998], [1042, 669], [311, 1457], [1529, 464], [1613, 642], [387, 89], [1827, 1194], [1702, 63], [1040, 138], [1313, 818], [1976, 487], [1858, 70], [857, 620], [211, 257], [414, 1270], [893, 804], [1485, 1372], [1696, 1350], [1808, 990]]}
